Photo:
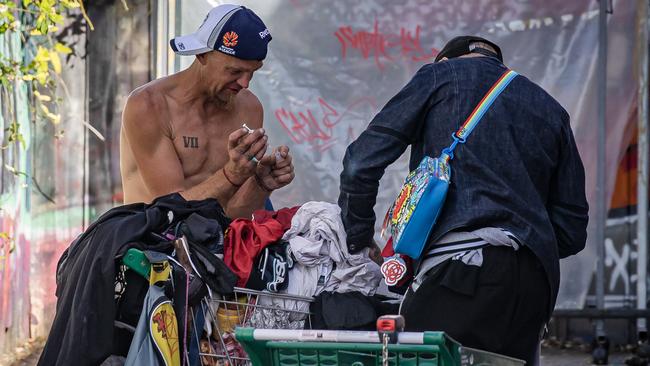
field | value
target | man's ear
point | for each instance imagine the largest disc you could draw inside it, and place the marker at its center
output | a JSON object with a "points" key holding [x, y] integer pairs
{"points": [[202, 58]]}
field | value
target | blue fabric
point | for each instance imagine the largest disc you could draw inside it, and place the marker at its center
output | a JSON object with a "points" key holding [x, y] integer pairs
{"points": [[195, 333], [268, 206], [416, 232], [520, 171]]}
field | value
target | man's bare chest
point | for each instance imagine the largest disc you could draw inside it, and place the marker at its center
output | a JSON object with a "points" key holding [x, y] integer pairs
{"points": [[202, 145]]}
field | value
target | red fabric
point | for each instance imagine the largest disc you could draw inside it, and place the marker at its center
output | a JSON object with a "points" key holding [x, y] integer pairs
{"points": [[245, 239], [388, 250], [283, 215]]}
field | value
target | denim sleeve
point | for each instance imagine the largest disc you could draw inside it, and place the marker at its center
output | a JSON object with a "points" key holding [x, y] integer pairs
{"points": [[567, 205], [386, 138]]}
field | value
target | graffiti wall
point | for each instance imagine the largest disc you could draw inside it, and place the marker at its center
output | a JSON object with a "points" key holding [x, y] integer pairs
{"points": [[332, 65], [42, 195], [15, 199], [620, 236], [65, 174]]}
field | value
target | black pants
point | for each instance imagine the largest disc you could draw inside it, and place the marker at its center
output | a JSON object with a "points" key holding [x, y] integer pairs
{"points": [[499, 307]]}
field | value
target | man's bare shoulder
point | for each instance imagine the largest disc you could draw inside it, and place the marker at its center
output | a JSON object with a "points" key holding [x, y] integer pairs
{"points": [[148, 96], [249, 100], [146, 107], [250, 107]]}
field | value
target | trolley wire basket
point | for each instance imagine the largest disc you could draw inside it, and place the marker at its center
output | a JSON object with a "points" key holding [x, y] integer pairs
{"points": [[214, 326]]}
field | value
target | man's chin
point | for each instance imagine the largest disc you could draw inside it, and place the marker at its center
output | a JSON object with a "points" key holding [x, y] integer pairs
{"points": [[226, 100]]}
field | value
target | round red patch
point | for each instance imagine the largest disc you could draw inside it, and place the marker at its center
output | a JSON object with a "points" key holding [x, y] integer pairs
{"points": [[230, 39], [393, 270]]}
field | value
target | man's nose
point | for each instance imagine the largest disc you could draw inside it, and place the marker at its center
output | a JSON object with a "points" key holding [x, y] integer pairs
{"points": [[244, 81]]}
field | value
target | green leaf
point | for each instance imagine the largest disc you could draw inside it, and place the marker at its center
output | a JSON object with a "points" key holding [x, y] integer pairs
{"points": [[56, 18], [56, 62], [41, 25], [61, 48]]}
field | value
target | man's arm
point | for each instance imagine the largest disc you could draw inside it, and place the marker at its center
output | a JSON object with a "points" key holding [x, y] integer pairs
{"points": [[567, 204], [386, 138], [158, 162]]}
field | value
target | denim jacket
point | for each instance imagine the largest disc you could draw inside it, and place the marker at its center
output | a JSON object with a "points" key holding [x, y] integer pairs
{"points": [[519, 169]]}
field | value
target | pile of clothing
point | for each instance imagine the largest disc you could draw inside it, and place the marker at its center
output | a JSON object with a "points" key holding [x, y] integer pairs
{"points": [[298, 251], [156, 283]]}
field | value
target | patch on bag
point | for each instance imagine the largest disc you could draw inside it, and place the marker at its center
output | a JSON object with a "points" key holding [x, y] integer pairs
{"points": [[412, 190], [393, 269], [400, 202]]}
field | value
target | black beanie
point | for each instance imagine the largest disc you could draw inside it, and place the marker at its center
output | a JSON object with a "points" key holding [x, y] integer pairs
{"points": [[459, 46]]}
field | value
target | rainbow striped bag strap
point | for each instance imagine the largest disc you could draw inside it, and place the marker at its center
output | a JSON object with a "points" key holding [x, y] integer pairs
{"points": [[474, 118]]}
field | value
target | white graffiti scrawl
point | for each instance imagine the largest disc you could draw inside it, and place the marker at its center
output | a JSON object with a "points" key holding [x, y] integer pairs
{"points": [[620, 264]]}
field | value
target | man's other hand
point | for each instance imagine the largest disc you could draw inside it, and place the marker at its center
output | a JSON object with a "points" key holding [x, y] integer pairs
{"points": [[375, 253], [275, 170]]}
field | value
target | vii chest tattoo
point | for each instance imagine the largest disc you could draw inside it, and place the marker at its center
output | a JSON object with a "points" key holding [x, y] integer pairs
{"points": [[191, 142]]}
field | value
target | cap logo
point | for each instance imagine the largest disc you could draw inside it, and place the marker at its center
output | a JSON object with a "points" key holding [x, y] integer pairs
{"points": [[230, 39], [181, 46], [264, 33]]}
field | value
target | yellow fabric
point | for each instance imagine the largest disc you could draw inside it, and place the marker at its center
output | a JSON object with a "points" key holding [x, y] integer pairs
{"points": [[159, 272], [164, 332]]}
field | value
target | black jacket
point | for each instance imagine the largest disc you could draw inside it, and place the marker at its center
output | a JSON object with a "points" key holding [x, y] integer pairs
{"points": [[82, 331]]}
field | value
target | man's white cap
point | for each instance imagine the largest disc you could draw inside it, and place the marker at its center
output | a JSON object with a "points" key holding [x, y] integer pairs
{"points": [[231, 29]]}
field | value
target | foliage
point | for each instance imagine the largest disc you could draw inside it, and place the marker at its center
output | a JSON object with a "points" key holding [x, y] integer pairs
{"points": [[35, 21], [38, 66]]}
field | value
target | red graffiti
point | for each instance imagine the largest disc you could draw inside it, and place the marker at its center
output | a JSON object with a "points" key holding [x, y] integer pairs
{"points": [[316, 127], [382, 47]]}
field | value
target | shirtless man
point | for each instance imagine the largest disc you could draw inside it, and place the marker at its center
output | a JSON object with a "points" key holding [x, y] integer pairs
{"points": [[183, 133]]}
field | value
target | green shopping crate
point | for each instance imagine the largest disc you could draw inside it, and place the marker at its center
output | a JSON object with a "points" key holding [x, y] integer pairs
{"points": [[283, 347]]}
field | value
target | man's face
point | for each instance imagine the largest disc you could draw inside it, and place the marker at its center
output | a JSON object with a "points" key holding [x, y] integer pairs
{"points": [[226, 75]]}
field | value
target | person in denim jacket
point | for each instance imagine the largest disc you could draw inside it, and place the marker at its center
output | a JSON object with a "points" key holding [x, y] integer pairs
{"points": [[515, 206]]}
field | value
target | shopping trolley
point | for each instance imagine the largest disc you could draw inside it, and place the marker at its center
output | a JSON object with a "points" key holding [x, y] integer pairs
{"points": [[351, 348], [248, 308]]}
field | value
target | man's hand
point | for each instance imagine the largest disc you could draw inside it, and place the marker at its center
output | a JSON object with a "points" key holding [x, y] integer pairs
{"points": [[245, 150], [375, 253], [276, 170]]}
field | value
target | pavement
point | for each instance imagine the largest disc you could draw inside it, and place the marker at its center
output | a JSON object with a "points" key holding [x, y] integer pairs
{"points": [[570, 357], [25, 355], [31, 360]]}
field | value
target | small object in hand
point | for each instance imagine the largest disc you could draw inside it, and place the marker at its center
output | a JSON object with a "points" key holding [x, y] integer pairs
{"points": [[247, 128]]}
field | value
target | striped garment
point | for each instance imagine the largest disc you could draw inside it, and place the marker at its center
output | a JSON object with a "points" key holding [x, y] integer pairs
{"points": [[465, 246]]}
